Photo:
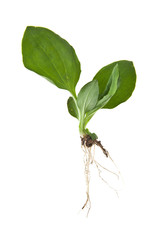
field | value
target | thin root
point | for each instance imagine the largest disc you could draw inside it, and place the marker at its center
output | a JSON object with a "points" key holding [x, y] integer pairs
{"points": [[117, 175], [88, 201], [99, 172], [86, 144], [106, 153], [88, 159]]}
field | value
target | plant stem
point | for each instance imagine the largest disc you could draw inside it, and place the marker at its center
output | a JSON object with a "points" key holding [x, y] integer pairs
{"points": [[81, 124], [82, 120], [81, 117]]}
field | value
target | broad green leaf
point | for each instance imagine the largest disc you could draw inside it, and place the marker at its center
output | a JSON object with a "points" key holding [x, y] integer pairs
{"points": [[72, 108], [88, 96], [110, 90], [52, 57], [127, 80]]}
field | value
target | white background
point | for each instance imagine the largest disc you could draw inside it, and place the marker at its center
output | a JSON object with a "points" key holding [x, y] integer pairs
{"points": [[42, 187]]}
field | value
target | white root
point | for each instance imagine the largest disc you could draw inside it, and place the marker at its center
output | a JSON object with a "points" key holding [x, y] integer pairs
{"points": [[99, 165], [88, 160], [99, 172]]}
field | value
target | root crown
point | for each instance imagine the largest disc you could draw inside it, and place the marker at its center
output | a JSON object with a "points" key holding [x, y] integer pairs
{"points": [[87, 141]]}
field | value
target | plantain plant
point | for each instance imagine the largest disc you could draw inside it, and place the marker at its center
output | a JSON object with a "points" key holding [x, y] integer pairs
{"points": [[47, 54]]}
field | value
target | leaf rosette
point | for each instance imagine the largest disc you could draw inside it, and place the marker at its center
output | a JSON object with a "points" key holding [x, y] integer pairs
{"points": [[47, 54]]}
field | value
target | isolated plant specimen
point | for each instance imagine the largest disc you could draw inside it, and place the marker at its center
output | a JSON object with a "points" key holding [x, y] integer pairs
{"points": [[52, 57]]}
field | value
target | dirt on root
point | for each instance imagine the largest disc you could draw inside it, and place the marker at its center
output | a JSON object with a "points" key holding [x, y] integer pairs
{"points": [[89, 142]]}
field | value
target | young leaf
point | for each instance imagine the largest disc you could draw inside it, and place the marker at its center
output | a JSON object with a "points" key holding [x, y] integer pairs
{"points": [[47, 54], [127, 80], [110, 90], [88, 96], [72, 108]]}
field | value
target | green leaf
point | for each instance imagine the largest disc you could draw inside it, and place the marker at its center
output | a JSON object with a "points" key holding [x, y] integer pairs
{"points": [[127, 80], [52, 57], [110, 90], [88, 96], [72, 108]]}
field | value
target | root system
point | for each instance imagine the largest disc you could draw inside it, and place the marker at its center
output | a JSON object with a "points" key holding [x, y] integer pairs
{"points": [[87, 144]]}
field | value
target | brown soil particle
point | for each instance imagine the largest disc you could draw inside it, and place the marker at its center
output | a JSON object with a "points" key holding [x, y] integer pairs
{"points": [[88, 142]]}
